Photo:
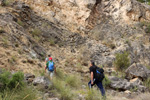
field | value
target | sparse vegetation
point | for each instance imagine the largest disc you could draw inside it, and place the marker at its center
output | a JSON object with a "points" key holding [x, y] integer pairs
{"points": [[13, 60], [62, 89], [144, 1], [147, 83], [109, 44], [51, 42], [7, 2], [36, 32], [128, 42], [2, 31], [147, 25], [5, 42], [14, 87], [122, 61], [106, 82], [73, 80], [20, 22], [93, 94], [11, 81]]}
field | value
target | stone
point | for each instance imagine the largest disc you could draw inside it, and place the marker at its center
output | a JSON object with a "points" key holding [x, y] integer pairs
{"points": [[81, 97], [29, 78], [120, 84], [136, 82], [42, 81], [53, 99], [127, 91], [137, 70]]}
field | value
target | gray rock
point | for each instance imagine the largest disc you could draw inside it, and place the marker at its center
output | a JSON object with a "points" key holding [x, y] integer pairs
{"points": [[120, 84], [29, 78], [137, 70], [43, 81], [136, 82], [123, 84]]}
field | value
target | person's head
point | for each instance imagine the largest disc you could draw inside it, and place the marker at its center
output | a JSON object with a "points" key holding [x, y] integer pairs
{"points": [[49, 55], [50, 59], [92, 63]]}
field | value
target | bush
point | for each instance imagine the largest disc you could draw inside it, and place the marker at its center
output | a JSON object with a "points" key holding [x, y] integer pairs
{"points": [[73, 80], [10, 82], [16, 78], [144, 1], [106, 82], [20, 22], [93, 94], [7, 2], [25, 93], [36, 32], [122, 61], [147, 83], [62, 89]]}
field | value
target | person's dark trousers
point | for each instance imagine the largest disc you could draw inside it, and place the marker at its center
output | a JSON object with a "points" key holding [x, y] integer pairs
{"points": [[100, 86]]}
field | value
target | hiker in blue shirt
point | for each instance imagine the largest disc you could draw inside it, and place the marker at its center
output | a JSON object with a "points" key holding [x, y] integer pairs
{"points": [[50, 66]]}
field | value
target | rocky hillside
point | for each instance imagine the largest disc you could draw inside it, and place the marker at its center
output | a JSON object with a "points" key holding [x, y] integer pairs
{"points": [[74, 32]]}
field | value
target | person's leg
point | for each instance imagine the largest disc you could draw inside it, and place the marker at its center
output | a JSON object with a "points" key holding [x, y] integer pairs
{"points": [[89, 84], [51, 75], [100, 86]]}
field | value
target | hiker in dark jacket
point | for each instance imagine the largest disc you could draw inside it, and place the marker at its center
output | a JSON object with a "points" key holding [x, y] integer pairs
{"points": [[93, 80]]}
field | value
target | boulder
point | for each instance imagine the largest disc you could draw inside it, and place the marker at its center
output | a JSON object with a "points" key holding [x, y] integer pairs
{"points": [[29, 78], [42, 81], [136, 81], [137, 70], [121, 84]]}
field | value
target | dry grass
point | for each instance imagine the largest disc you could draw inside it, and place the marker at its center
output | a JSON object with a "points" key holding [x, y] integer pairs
{"points": [[145, 96]]}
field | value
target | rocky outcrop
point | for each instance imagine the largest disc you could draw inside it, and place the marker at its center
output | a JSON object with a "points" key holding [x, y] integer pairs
{"points": [[137, 70], [41, 81], [77, 14], [123, 84]]}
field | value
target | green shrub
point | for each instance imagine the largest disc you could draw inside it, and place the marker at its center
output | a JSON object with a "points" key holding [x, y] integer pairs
{"points": [[20, 22], [4, 79], [106, 82], [26, 93], [59, 74], [11, 81], [36, 32], [73, 80], [52, 42], [143, 1], [62, 89], [122, 61], [147, 83], [93, 94], [5, 42], [18, 77]]}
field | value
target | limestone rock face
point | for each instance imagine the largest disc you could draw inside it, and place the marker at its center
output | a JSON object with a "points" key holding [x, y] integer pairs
{"points": [[78, 14]]}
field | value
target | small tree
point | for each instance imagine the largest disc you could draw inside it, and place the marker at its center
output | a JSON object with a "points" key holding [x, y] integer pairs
{"points": [[122, 61]]}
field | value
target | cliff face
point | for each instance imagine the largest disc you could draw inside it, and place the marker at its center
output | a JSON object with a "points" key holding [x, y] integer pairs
{"points": [[84, 29], [79, 15]]}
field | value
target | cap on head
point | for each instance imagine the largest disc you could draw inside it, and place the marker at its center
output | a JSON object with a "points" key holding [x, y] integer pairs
{"points": [[50, 58]]}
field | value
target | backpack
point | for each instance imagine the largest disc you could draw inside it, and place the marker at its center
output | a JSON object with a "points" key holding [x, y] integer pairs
{"points": [[51, 66], [99, 74]]}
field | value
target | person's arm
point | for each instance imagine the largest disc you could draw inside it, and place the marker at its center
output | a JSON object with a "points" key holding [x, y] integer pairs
{"points": [[55, 68], [46, 66], [91, 77]]}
